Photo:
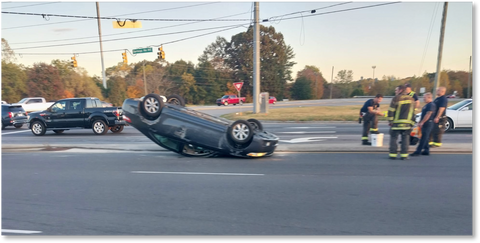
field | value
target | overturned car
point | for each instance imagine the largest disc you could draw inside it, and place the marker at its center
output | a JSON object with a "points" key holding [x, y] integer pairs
{"points": [[193, 133]]}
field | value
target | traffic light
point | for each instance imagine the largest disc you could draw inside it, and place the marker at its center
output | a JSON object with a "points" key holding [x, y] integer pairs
{"points": [[74, 62], [124, 56], [161, 53]]}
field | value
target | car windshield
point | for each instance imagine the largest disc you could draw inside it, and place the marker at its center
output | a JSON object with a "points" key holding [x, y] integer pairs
{"points": [[224, 97], [22, 100], [458, 105]]}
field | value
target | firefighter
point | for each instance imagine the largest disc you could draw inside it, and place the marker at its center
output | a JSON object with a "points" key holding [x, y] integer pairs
{"points": [[400, 120], [408, 90], [369, 113], [440, 118]]}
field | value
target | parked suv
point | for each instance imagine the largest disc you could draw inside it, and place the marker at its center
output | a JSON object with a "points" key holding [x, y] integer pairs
{"points": [[13, 115]]}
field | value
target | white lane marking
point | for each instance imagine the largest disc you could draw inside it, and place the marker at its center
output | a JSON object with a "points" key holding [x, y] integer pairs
{"points": [[304, 140], [86, 150], [194, 173], [307, 132], [14, 132], [20, 231], [310, 127]]}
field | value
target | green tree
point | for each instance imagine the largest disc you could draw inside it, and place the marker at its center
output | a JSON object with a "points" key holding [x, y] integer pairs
{"points": [[117, 91], [14, 82], [44, 81], [313, 74], [275, 60], [301, 89], [8, 55]]}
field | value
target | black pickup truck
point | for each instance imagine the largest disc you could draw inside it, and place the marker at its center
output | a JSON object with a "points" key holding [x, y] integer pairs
{"points": [[77, 113]]}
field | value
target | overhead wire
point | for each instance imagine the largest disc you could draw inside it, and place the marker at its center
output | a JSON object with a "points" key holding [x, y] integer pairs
{"points": [[425, 48], [30, 5], [304, 11]]}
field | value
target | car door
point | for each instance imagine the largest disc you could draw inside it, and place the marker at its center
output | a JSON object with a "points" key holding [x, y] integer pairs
{"points": [[464, 116], [58, 114], [75, 115]]}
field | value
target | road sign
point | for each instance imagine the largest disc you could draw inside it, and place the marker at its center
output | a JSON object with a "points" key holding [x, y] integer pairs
{"points": [[142, 50], [422, 90], [238, 86]]}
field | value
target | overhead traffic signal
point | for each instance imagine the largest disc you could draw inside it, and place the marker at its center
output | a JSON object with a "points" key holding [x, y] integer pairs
{"points": [[161, 53], [124, 56], [74, 62]]}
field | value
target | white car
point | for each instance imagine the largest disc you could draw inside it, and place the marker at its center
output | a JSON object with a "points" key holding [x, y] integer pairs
{"points": [[459, 115]]}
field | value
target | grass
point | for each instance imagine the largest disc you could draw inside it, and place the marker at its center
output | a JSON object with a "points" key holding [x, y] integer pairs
{"points": [[311, 113]]}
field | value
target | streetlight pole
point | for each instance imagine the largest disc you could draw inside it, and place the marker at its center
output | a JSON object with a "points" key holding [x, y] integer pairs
{"points": [[373, 67], [331, 83]]}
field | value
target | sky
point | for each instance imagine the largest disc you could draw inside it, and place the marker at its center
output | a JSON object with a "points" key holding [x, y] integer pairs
{"points": [[400, 39]]}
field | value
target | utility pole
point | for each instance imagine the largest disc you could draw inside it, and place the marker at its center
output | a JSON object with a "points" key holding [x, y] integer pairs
{"points": [[373, 67], [331, 83], [316, 86], [101, 47], [440, 49], [256, 60], [144, 80]]}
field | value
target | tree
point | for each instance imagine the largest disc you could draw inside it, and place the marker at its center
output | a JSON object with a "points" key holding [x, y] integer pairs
{"points": [[301, 89], [76, 81], [14, 82], [275, 58], [313, 74], [117, 93], [8, 55], [45, 81]]}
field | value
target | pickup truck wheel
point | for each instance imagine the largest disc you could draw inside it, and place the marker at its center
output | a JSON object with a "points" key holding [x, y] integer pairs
{"points": [[117, 128], [58, 131], [99, 127], [38, 129], [18, 125], [225, 103], [240, 132], [152, 105], [175, 99]]}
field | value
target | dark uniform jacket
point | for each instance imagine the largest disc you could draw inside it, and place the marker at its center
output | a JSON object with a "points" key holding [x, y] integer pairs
{"points": [[400, 113]]}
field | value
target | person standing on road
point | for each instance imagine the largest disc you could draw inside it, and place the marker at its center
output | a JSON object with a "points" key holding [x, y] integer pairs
{"points": [[369, 112], [440, 118], [400, 121], [426, 124], [408, 90]]}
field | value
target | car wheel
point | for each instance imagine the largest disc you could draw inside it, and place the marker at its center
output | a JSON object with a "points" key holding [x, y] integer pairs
{"points": [[219, 104], [196, 151], [176, 100], [256, 125], [38, 129], [448, 125], [152, 106], [225, 103], [99, 127], [18, 125], [58, 131], [240, 132], [117, 128]]}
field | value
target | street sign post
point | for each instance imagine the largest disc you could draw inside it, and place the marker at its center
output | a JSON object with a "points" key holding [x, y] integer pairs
{"points": [[142, 50]]}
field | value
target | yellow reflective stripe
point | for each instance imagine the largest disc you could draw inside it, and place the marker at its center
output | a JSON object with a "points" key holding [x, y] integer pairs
{"points": [[391, 109], [402, 102], [430, 143], [437, 144], [392, 155], [403, 155], [400, 128], [390, 118], [374, 129], [411, 93], [364, 138]]}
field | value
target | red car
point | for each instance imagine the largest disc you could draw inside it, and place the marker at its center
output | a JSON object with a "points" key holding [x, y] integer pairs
{"points": [[272, 100]]}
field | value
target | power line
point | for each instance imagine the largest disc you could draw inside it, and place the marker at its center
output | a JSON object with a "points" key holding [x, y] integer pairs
{"points": [[30, 5], [159, 10], [124, 33], [166, 43], [126, 38], [434, 14], [306, 11]]}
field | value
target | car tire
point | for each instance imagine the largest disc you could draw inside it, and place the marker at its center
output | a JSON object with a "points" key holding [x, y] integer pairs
{"points": [[225, 103], [448, 125], [151, 106], [240, 132], [18, 125], [99, 127], [117, 128], [58, 131], [38, 129], [256, 125], [175, 99]]}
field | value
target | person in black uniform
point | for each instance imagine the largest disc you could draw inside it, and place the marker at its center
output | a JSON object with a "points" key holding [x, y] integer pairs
{"points": [[426, 124], [369, 112], [439, 121], [408, 90]]}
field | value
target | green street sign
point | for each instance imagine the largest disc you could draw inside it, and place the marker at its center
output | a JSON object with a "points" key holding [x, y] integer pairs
{"points": [[142, 50]]}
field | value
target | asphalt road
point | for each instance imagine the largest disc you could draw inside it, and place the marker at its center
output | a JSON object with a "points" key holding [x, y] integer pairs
{"points": [[160, 193]]}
